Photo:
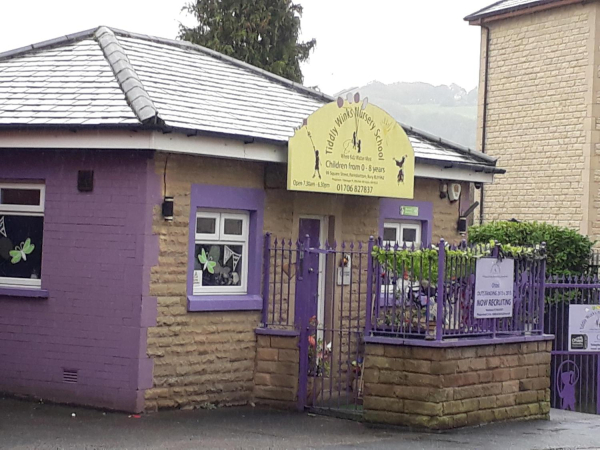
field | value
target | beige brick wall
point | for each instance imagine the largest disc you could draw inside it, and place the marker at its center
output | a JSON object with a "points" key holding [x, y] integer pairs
{"points": [[442, 388], [540, 115], [276, 375], [198, 357], [205, 357]]}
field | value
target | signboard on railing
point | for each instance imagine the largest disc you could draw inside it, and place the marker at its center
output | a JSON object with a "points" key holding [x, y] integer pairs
{"points": [[494, 282], [584, 328]]}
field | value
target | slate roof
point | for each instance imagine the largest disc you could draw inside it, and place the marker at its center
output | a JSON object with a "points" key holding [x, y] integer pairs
{"points": [[505, 6], [112, 78]]}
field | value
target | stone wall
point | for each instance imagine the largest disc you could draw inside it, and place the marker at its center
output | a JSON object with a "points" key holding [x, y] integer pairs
{"points": [[441, 388], [205, 357], [542, 117], [276, 375], [209, 357]]}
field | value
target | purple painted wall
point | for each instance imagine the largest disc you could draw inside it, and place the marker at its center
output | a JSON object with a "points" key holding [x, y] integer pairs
{"points": [[97, 252], [389, 209]]}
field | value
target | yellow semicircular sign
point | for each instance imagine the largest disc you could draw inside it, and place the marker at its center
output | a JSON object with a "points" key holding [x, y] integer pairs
{"points": [[351, 148]]}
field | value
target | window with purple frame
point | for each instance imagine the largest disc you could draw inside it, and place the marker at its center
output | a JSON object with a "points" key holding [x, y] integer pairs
{"points": [[21, 234], [226, 239]]}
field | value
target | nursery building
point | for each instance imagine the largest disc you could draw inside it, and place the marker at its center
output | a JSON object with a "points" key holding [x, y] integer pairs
{"points": [[150, 192]]}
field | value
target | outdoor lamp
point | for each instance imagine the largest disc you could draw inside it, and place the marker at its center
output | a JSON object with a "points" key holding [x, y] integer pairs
{"points": [[167, 208]]}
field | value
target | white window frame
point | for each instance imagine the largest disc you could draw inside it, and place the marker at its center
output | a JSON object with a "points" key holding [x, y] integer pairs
{"points": [[219, 237], [23, 210], [400, 226]]}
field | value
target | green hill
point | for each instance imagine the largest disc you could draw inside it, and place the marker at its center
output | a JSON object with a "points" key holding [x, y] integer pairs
{"points": [[449, 112]]}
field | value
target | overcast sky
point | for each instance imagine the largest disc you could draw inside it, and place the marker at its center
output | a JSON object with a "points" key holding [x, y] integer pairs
{"points": [[358, 41]]}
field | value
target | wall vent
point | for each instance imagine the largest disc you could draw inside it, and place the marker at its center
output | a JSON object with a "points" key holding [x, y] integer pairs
{"points": [[69, 376]]}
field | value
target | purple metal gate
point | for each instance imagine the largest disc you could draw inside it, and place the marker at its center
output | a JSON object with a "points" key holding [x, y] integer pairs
{"points": [[575, 375], [326, 287]]}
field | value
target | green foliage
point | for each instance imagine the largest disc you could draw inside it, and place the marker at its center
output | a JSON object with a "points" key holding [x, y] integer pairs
{"points": [[263, 33], [568, 252], [423, 263]]}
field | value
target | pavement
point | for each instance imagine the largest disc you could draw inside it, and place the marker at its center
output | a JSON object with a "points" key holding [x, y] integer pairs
{"points": [[34, 425]]}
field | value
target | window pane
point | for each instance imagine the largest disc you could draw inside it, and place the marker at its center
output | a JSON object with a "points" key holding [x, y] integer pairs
{"points": [[10, 196], [409, 235], [206, 225], [21, 246], [220, 264], [389, 234], [233, 226]]}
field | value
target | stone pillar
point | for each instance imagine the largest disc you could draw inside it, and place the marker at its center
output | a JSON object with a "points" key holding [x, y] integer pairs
{"points": [[442, 388], [276, 373]]}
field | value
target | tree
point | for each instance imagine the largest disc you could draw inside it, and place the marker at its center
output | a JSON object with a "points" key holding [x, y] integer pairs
{"points": [[263, 33]]}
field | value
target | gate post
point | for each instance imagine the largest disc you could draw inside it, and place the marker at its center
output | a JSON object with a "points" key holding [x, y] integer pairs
{"points": [[440, 290], [266, 274], [370, 279], [542, 299], [302, 323], [598, 386]]}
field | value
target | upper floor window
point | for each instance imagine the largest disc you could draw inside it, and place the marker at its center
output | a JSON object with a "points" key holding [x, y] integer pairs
{"points": [[221, 253], [21, 234]]}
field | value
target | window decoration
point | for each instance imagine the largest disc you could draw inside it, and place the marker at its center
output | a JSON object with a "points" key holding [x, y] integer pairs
{"points": [[21, 234], [221, 245]]}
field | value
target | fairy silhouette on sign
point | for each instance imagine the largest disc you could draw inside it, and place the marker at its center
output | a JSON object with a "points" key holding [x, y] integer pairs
{"points": [[565, 384], [317, 158], [400, 165], [355, 143]]}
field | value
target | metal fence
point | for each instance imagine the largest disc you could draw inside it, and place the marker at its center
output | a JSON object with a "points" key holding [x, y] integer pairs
{"points": [[429, 293], [332, 296], [574, 373]]}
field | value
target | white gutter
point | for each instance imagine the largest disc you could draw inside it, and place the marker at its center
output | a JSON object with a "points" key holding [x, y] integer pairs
{"points": [[190, 145]]}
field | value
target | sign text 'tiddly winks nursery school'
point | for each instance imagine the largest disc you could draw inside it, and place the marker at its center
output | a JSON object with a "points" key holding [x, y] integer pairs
{"points": [[351, 147]]}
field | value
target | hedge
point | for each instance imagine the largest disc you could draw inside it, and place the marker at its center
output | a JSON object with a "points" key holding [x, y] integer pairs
{"points": [[568, 252]]}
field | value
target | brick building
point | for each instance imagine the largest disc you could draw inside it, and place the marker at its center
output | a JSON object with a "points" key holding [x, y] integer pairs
{"points": [[539, 110], [100, 306]]}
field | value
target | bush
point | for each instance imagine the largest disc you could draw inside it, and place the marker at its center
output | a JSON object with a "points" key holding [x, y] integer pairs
{"points": [[568, 251]]}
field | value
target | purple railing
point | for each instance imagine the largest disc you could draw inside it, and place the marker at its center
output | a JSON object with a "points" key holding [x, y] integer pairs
{"points": [[412, 293], [574, 374], [429, 293]]}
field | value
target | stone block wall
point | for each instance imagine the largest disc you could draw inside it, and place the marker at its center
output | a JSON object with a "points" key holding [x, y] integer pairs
{"points": [[199, 357], [276, 374], [442, 388], [542, 116], [209, 357]]}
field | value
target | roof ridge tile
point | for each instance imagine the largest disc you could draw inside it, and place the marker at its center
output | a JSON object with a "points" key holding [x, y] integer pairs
{"points": [[137, 97]]}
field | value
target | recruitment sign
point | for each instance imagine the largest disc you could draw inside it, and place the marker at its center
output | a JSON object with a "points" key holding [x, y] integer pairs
{"points": [[584, 328], [351, 147], [494, 281]]}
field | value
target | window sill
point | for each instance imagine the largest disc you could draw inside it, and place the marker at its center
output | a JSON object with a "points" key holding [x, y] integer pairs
{"points": [[209, 302], [6, 291]]}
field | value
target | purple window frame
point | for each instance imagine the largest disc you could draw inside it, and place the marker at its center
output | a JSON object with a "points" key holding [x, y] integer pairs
{"points": [[204, 196], [389, 209]]}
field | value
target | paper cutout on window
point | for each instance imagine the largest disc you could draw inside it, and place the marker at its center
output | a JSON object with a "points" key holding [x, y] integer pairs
{"points": [[229, 254], [207, 261], [236, 260], [2, 227], [197, 278], [21, 251]]}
